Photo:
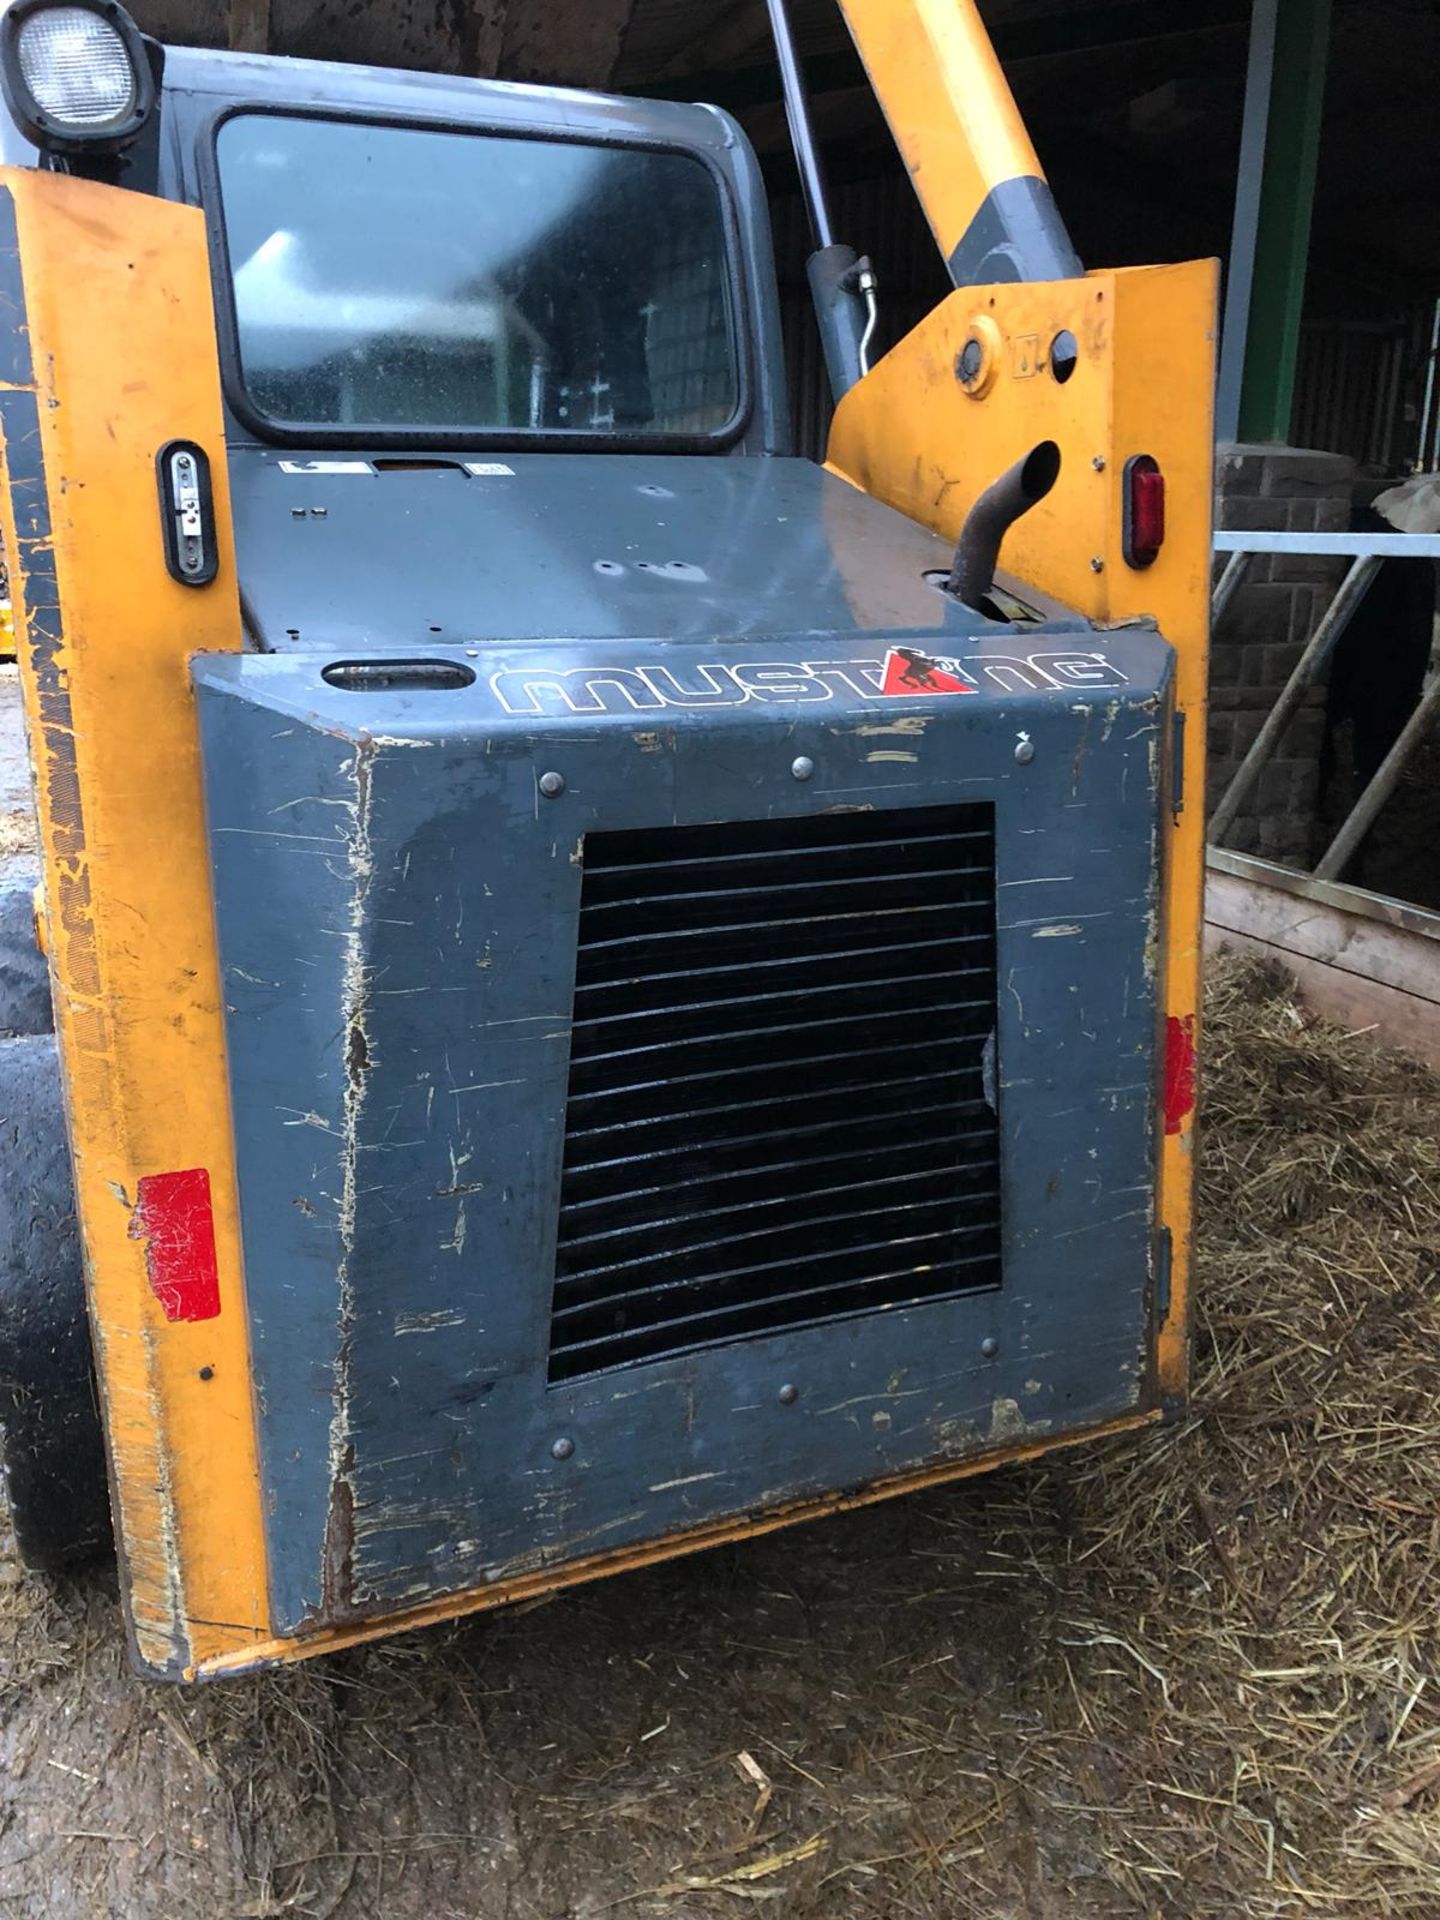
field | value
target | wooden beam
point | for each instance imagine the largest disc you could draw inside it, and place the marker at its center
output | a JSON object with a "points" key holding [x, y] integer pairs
{"points": [[483, 37], [1085, 30], [1357, 957], [248, 26], [740, 39], [571, 43]]}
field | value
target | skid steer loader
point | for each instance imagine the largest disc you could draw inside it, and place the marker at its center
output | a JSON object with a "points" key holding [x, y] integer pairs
{"points": [[614, 988]]}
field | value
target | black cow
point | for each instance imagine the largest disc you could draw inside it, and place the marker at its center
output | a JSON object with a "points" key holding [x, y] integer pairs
{"points": [[1378, 668]]}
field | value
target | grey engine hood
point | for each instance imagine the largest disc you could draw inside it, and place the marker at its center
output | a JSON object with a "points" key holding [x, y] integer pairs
{"points": [[336, 552]]}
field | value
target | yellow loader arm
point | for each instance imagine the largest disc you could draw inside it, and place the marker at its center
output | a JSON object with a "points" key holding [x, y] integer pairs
{"points": [[961, 137]]}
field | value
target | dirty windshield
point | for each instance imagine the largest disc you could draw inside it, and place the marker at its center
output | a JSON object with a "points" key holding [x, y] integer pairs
{"points": [[393, 277]]}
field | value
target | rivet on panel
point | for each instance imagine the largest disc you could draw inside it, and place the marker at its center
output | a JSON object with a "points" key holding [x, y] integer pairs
{"points": [[1024, 750], [552, 785], [562, 1448], [802, 767], [788, 1395], [989, 1346]]}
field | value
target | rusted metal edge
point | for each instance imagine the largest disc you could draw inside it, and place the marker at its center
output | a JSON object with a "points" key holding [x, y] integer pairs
{"points": [[271, 1653]]}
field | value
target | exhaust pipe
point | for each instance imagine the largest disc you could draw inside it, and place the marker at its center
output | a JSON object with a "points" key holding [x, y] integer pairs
{"points": [[1024, 486]]}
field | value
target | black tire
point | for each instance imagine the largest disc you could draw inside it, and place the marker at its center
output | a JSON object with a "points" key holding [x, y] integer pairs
{"points": [[24, 975], [51, 1447]]}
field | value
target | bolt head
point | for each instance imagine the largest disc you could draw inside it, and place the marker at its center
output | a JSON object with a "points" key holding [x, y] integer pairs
{"points": [[989, 1346], [1097, 565], [562, 1448], [1025, 752], [970, 362], [552, 785], [788, 1395], [802, 767], [1098, 463]]}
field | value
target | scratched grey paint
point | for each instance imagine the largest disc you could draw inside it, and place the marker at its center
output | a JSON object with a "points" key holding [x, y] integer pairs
{"points": [[399, 1312], [556, 547]]}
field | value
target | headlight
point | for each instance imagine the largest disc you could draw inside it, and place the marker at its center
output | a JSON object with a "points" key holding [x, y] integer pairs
{"points": [[75, 74], [77, 69]]}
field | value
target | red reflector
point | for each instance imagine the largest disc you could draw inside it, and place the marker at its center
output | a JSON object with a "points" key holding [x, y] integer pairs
{"points": [[1144, 510], [173, 1214], [1179, 1098]]}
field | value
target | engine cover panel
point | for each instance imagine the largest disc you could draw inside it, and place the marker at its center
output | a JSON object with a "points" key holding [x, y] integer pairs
{"points": [[399, 871]]}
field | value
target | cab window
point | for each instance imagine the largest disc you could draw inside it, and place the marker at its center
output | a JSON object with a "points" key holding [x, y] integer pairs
{"points": [[390, 277]]}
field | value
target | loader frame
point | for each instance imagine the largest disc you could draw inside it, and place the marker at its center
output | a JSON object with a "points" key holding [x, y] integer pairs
{"points": [[105, 637]]}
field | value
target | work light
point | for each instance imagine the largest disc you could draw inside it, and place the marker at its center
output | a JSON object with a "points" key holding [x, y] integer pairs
{"points": [[75, 74]]}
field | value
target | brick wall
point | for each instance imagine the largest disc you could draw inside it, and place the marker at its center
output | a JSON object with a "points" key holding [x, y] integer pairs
{"points": [[1273, 489]]}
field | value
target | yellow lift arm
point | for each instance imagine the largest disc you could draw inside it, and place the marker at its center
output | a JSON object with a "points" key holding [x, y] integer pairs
{"points": [[961, 137]]}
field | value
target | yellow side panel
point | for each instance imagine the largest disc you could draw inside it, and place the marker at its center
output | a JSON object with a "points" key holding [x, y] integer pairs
{"points": [[109, 354], [1143, 382], [948, 103]]}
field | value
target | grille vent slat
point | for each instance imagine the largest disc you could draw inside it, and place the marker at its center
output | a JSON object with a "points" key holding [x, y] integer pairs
{"points": [[778, 1109], [915, 1179], [774, 1177], [758, 1156], [696, 1124], [783, 1030]]}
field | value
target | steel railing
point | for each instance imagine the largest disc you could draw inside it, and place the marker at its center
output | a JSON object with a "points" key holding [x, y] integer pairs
{"points": [[1365, 551]]}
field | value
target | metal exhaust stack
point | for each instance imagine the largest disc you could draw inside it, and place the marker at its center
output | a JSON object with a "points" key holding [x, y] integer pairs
{"points": [[842, 282], [977, 552]]}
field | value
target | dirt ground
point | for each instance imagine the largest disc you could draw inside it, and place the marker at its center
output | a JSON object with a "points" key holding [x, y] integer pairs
{"points": [[1191, 1674]]}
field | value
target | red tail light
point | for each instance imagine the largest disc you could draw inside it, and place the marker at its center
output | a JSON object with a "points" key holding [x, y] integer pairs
{"points": [[1144, 531]]}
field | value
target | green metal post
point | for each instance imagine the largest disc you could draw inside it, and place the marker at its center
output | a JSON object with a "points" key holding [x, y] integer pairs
{"points": [[1287, 198]]}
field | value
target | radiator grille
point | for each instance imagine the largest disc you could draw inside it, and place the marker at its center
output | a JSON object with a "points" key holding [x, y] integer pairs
{"points": [[778, 1107]]}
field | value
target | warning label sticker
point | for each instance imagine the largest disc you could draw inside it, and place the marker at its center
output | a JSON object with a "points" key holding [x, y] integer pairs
{"points": [[908, 671]]}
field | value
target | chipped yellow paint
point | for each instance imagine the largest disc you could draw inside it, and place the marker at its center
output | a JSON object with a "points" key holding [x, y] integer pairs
{"points": [[117, 300], [913, 724], [913, 437]]}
